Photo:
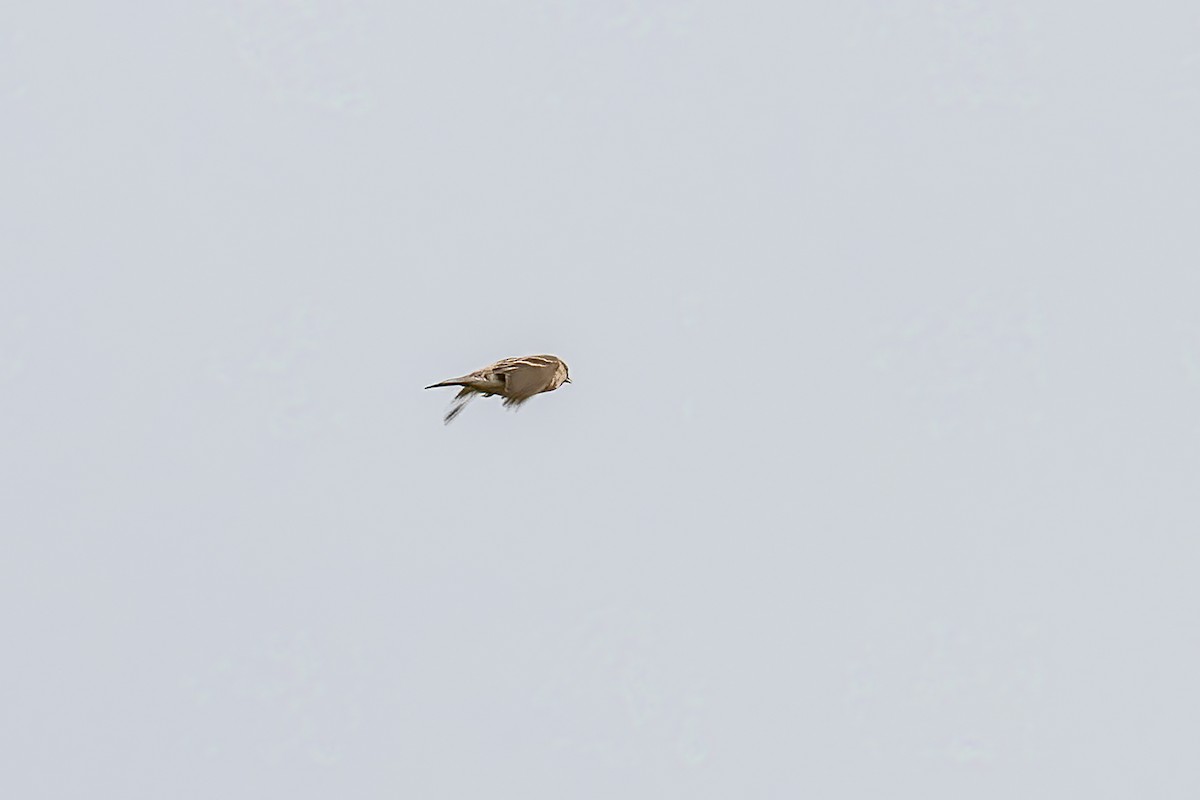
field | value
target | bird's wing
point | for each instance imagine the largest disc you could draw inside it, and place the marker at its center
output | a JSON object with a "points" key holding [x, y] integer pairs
{"points": [[524, 379], [460, 402]]}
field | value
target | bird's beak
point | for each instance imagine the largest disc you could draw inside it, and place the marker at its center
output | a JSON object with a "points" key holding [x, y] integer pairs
{"points": [[566, 380]]}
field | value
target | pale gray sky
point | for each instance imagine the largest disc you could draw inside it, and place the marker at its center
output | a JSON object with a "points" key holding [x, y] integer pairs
{"points": [[879, 472]]}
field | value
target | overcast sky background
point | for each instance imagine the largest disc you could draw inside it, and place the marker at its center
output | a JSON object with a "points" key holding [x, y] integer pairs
{"points": [[879, 472]]}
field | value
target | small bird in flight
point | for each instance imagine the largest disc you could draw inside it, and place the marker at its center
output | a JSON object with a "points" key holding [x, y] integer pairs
{"points": [[514, 379]]}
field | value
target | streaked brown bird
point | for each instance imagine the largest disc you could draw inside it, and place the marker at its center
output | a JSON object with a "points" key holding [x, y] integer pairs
{"points": [[514, 379]]}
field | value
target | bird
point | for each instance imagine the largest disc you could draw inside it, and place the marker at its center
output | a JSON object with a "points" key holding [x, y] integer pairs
{"points": [[514, 379]]}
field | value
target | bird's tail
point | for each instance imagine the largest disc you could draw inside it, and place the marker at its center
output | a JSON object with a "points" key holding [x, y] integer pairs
{"points": [[449, 382]]}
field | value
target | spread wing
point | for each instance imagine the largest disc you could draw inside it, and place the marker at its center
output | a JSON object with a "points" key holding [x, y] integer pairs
{"points": [[460, 402]]}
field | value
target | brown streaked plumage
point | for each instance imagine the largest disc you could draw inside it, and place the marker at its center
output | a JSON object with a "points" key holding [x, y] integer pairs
{"points": [[514, 379]]}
